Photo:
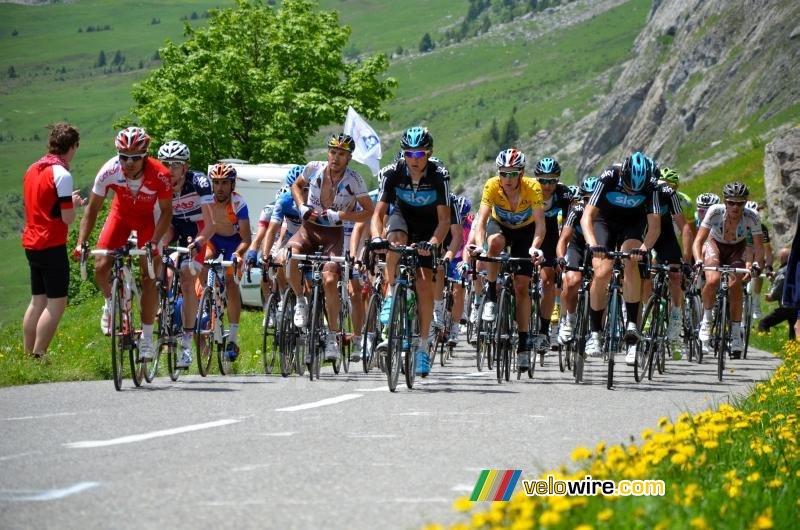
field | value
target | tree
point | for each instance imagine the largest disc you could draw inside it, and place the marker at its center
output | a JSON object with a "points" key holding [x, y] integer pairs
{"points": [[511, 133], [101, 59], [118, 59], [425, 45], [12, 74], [257, 82]]}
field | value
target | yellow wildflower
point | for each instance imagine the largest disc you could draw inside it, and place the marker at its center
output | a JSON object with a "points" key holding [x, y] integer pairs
{"points": [[463, 504], [754, 477], [605, 515], [581, 453], [698, 523], [549, 518]]}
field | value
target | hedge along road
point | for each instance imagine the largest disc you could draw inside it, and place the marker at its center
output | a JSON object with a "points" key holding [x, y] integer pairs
{"points": [[341, 452]]}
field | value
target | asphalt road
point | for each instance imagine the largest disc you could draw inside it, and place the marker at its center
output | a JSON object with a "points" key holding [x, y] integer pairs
{"points": [[342, 452]]}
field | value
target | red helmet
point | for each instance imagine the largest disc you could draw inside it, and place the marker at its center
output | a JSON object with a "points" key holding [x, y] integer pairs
{"points": [[132, 139]]}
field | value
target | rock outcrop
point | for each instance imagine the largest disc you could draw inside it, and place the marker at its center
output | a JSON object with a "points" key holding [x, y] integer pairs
{"points": [[782, 182], [701, 69]]}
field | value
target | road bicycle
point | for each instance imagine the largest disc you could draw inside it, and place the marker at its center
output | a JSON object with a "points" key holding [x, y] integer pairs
{"points": [[652, 348], [721, 323], [614, 330], [210, 334], [125, 305], [575, 348], [692, 313], [270, 336], [373, 330], [442, 345]]}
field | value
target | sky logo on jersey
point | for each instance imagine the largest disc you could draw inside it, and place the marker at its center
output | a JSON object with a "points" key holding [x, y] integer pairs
{"points": [[513, 218], [623, 200], [495, 485], [552, 213], [418, 198]]}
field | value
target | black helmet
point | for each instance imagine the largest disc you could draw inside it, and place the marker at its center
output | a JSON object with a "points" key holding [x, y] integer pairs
{"points": [[417, 138]]}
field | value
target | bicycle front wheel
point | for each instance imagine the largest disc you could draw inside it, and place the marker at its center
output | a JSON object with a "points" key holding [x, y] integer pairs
{"points": [[397, 335], [613, 338], [131, 318], [345, 336], [269, 348], [503, 338], [723, 336], [371, 335], [117, 333], [204, 332]]}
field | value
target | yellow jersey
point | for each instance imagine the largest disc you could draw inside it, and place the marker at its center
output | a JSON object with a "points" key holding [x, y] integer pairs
{"points": [[530, 198]]}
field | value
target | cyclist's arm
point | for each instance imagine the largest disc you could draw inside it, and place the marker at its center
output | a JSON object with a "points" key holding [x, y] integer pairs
{"points": [[244, 233], [758, 246], [478, 234], [90, 217], [538, 237], [260, 233], [686, 236], [443, 213], [165, 220], [356, 236], [456, 239], [699, 239], [653, 230], [566, 235], [209, 229], [377, 218], [360, 215], [590, 212], [269, 237], [297, 191]]}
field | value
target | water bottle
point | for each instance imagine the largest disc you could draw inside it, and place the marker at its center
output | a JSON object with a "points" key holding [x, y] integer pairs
{"points": [[411, 303], [177, 317]]}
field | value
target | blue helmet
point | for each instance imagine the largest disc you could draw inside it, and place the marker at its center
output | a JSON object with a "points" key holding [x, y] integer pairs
{"points": [[399, 156], [417, 138], [293, 173], [547, 166], [637, 171], [589, 184], [463, 204], [284, 189]]}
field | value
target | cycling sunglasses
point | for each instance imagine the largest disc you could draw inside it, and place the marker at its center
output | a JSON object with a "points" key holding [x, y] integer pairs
{"points": [[510, 174], [735, 203], [548, 181], [174, 164], [415, 154], [135, 158]]}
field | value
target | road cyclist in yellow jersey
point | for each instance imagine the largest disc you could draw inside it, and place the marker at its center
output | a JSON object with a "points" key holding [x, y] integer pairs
{"points": [[511, 214]]}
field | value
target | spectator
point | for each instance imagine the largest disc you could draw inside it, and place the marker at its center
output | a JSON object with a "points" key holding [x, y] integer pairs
{"points": [[791, 288], [782, 313], [49, 208]]}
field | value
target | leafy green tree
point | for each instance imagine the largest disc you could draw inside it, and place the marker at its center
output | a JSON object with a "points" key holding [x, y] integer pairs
{"points": [[257, 82], [101, 59], [511, 133], [426, 44]]}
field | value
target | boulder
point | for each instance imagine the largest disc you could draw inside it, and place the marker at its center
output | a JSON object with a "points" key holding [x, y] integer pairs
{"points": [[782, 183]]}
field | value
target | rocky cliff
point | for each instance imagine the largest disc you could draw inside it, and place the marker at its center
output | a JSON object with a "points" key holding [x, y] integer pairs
{"points": [[782, 182], [702, 69]]}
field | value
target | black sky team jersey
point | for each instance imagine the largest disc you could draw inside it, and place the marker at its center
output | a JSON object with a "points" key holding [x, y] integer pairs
{"points": [[559, 203], [616, 205], [574, 220], [669, 204], [186, 212], [417, 203]]}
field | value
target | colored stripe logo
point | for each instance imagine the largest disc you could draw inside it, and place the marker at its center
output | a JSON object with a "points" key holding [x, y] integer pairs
{"points": [[494, 485]]}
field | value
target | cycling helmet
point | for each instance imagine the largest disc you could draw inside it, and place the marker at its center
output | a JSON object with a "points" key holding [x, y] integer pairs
{"points": [[669, 176], [735, 189], [704, 200], [510, 158], [463, 205], [654, 171], [417, 138], [752, 205], [374, 195], [547, 166], [282, 190], [222, 172], [589, 184], [293, 173], [342, 141], [637, 171], [399, 156], [132, 139], [173, 151], [574, 192]]}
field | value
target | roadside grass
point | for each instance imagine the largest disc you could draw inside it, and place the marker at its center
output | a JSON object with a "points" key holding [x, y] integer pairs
{"points": [[734, 467], [15, 289]]}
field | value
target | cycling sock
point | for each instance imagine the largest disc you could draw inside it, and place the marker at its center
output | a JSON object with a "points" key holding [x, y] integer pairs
{"points": [[596, 319], [676, 313], [544, 325], [572, 317], [186, 338], [147, 331], [108, 303], [707, 316], [633, 311], [523, 341], [233, 336], [492, 292]]}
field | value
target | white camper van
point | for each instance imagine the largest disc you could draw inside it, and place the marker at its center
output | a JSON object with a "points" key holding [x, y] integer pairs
{"points": [[257, 183]]}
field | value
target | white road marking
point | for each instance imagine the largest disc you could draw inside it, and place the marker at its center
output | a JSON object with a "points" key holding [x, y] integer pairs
{"points": [[369, 435], [287, 433], [18, 455], [320, 403], [46, 495], [463, 487], [406, 500], [54, 415], [377, 389], [149, 435]]}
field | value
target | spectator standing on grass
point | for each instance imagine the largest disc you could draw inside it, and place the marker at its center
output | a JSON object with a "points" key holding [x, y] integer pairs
{"points": [[791, 286], [50, 206], [782, 313]]}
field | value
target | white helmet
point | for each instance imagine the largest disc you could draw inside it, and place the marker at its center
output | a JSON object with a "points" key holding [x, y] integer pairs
{"points": [[173, 150]]}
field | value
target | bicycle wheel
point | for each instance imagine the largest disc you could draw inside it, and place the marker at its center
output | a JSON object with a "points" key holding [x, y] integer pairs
{"points": [[502, 339], [204, 332], [663, 346], [345, 336], [371, 336], [314, 334], [469, 301], [117, 333], [613, 334], [723, 336], [446, 349], [288, 335], [644, 347], [484, 346], [223, 362], [747, 320], [131, 319], [396, 335], [268, 349], [164, 332]]}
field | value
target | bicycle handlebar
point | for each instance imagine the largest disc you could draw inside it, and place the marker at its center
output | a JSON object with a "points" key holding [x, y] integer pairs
{"points": [[219, 263], [194, 268], [727, 269]]}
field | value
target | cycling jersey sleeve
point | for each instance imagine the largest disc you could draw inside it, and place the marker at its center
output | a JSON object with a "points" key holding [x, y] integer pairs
{"points": [[388, 179], [442, 187], [674, 203], [105, 177], [655, 206], [277, 213], [62, 179], [599, 190], [203, 188]]}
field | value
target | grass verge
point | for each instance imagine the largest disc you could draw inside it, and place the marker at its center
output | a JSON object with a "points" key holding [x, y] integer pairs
{"points": [[734, 467]]}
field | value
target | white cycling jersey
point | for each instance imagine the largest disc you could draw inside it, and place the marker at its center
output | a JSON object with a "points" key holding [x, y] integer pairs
{"points": [[714, 220], [350, 188]]}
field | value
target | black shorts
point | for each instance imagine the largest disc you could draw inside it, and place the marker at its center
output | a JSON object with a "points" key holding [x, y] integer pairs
{"points": [[612, 233], [416, 234], [550, 242], [575, 254], [49, 271], [667, 248], [519, 239]]}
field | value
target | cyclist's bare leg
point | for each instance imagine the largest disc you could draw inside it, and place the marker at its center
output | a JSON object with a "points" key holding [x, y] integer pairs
{"points": [[709, 291], [598, 293], [458, 302], [523, 298], [496, 245], [357, 303], [424, 301], [189, 292], [632, 282], [736, 296], [569, 294], [548, 293], [676, 294], [330, 279], [234, 306], [392, 258], [31, 321], [149, 291], [48, 323], [102, 274], [295, 277]]}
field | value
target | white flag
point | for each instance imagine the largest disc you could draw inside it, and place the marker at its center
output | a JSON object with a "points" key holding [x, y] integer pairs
{"points": [[368, 145]]}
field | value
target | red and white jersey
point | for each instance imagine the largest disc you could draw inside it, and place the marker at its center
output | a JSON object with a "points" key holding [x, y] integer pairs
{"points": [[130, 202], [48, 191]]}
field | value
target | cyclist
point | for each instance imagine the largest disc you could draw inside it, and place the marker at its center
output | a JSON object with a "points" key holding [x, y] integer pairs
{"points": [[510, 204], [769, 258], [192, 226], [231, 239], [455, 253], [667, 248], [333, 192], [624, 204], [557, 199], [703, 202], [419, 190], [721, 241], [139, 183], [571, 250]]}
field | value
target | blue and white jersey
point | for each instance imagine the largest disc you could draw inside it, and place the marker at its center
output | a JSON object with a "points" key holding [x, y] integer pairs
{"points": [[285, 209], [187, 215]]}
